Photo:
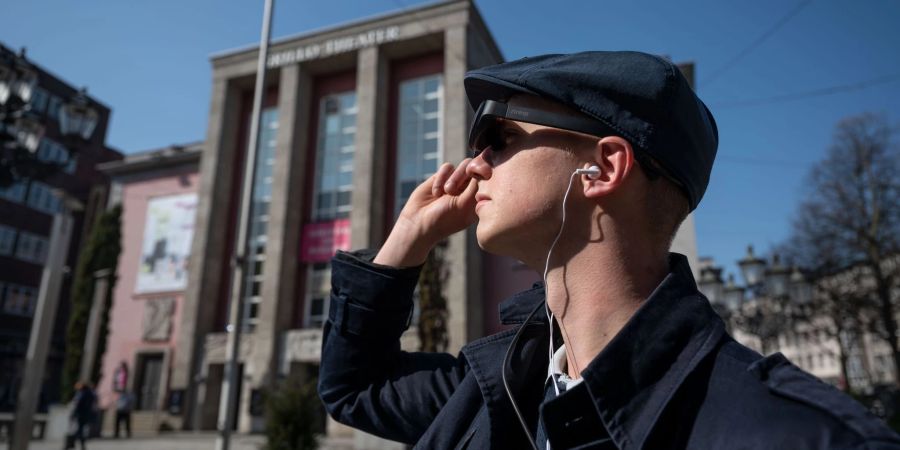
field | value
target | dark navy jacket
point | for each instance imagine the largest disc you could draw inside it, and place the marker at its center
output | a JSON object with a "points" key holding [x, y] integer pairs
{"points": [[671, 379]]}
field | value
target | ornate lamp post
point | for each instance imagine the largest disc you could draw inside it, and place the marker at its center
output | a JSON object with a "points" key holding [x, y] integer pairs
{"points": [[772, 295], [77, 118], [20, 129], [77, 121], [752, 268], [711, 285]]}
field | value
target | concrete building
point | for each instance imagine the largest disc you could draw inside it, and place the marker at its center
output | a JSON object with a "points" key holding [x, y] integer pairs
{"points": [[26, 217], [158, 193], [354, 117]]}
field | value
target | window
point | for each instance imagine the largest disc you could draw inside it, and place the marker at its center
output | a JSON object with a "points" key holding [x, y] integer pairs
{"points": [[334, 157], [318, 294], [259, 212], [7, 239], [418, 135], [41, 198], [14, 193], [32, 248], [53, 107], [54, 152], [20, 299], [39, 99]]}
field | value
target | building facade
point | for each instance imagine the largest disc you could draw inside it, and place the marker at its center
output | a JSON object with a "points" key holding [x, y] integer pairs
{"points": [[157, 190], [26, 216], [812, 323], [354, 117]]}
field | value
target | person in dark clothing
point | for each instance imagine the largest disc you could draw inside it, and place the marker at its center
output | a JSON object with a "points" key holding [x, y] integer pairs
{"points": [[584, 167], [124, 405], [84, 406]]}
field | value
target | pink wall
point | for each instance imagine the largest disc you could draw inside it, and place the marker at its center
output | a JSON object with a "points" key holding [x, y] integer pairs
{"points": [[125, 334]]}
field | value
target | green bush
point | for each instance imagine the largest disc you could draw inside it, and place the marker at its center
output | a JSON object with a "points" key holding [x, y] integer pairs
{"points": [[100, 252], [294, 419]]}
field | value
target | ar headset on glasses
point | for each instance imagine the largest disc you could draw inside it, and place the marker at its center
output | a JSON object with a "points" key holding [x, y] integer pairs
{"points": [[485, 133]]}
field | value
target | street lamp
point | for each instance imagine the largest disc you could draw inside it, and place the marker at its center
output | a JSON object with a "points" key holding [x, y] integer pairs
{"points": [[778, 294], [20, 129], [77, 118], [733, 294], [17, 80], [776, 277], [21, 134], [710, 284], [752, 268]]}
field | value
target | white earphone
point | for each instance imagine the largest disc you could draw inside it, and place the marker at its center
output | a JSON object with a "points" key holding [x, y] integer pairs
{"points": [[592, 172]]}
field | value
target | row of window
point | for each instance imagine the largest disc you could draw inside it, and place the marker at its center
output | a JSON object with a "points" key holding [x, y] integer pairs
{"points": [[811, 337], [43, 102], [259, 211], [54, 152], [28, 247], [18, 299], [418, 155], [820, 361], [35, 194]]}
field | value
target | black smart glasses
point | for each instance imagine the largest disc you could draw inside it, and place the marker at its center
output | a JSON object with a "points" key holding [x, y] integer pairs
{"points": [[487, 130]]}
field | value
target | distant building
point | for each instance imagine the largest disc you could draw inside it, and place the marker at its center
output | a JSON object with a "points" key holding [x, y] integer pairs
{"points": [[814, 342], [26, 215], [158, 193]]}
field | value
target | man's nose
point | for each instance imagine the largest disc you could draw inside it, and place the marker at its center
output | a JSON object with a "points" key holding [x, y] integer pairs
{"points": [[478, 167]]}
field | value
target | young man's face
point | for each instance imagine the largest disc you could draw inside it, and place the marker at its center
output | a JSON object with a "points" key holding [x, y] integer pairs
{"points": [[523, 176]]}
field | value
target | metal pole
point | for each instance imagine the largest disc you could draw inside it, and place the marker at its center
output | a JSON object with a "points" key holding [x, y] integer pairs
{"points": [[239, 262], [42, 328]]}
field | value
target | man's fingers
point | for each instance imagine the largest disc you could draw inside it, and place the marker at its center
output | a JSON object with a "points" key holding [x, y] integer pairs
{"points": [[440, 177], [458, 179]]}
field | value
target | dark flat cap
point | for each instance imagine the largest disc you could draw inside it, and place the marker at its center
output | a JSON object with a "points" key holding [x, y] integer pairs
{"points": [[642, 97]]}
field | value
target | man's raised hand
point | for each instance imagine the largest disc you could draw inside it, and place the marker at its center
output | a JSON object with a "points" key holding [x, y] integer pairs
{"points": [[442, 205]]}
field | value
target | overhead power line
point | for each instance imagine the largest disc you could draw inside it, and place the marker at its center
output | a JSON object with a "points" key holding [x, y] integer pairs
{"points": [[821, 92], [756, 43]]}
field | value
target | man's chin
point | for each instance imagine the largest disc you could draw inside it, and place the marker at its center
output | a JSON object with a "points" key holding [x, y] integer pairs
{"points": [[493, 241]]}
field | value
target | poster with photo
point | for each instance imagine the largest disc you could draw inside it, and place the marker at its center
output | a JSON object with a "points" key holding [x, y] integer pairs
{"points": [[166, 247]]}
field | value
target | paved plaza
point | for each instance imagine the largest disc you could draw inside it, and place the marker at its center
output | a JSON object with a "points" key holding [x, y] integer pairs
{"points": [[175, 441]]}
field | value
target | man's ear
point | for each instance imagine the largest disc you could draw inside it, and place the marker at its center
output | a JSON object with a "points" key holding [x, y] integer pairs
{"points": [[615, 158]]}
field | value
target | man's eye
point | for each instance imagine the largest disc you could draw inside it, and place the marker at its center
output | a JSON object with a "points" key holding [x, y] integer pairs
{"points": [[496, 139], [501, 137]]}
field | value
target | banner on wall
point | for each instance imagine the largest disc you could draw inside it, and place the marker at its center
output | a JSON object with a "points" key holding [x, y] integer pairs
{"points": [[166, 247], [320, 241]]}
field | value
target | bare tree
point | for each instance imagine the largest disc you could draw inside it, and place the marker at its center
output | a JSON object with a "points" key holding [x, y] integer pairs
{"points": [[846, 230]]}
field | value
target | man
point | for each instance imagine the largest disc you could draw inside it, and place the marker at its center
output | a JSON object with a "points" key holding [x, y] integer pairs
{"points": [[84, 407], [124, 405], [585, 165]]}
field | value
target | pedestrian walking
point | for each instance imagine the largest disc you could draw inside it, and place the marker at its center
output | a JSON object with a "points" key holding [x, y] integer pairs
{"points": [[84, 409]]}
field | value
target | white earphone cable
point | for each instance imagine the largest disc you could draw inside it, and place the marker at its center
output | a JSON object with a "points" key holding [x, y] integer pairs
{"points": [[547, 268]]}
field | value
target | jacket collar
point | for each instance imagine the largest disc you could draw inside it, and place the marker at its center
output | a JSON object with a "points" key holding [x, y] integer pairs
{"points": [[515, 309], [633, 379]]}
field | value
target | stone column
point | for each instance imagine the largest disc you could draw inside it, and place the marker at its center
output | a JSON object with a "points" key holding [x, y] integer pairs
{"points": [[101, 285], [464, 258], [279, 286], [208, 249], [370, 157]]}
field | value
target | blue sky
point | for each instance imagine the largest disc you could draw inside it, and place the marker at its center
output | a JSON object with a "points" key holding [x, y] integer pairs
{"points": [[149, 62]]}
